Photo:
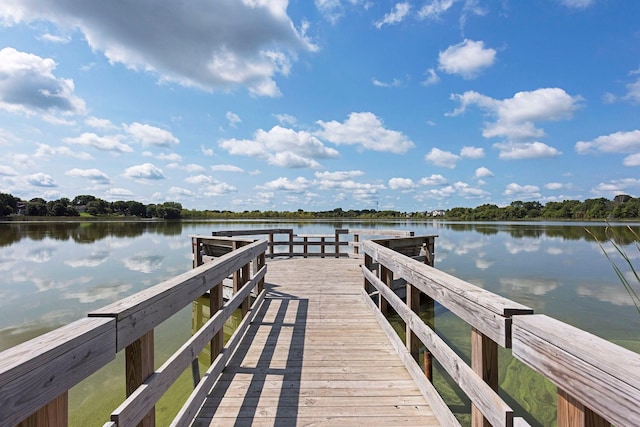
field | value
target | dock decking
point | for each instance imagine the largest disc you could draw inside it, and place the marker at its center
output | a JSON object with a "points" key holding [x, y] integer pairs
{"points": [[315, 355]]}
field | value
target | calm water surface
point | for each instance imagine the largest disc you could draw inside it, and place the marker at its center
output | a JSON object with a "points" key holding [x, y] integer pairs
{"points": [[54, 273]]}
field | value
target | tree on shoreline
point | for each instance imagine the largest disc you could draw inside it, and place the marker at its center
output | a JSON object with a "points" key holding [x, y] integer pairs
{"points": [[622, 207]]}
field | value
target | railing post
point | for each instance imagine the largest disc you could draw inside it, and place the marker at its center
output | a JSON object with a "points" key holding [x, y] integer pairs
{"points": [[322, 241], [261, 263], [306, 245], [139, 366], [337, 242], [240, 277], [430, 320], [356, 247], [53, 414], [271, 244], [484, 362], [386, 276], [413, 303], [572, 413], [291, 243], [197, 255], [216, 302]]}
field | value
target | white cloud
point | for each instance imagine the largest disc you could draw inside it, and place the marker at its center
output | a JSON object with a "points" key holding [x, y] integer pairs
{"points": [[226, 168], [617, 142], [193, 168], [169, 157], [483, 172], [433, 180], [393, 83], [401, 184], [200, 179], [518, 192], [554, 186], [339, 175], [206, 151], [41, 180], [46, 151], [282, 147], [151, 135], [633, 89], [472, 152], [233, 119], [525, 150], [432, 77], [286, 119], [632, 160], [435, 9], [28, 85], [98, 123], [119, 193], [7, 171], [577, 4], [442, 158], [466, 59], [219, 189], [397, 15], [105, 143], [367, 130], [515, 117], [613, 188], [95, 175], [298, 185], [52, 38], [180, 192], [145, 171], [214, 46]]}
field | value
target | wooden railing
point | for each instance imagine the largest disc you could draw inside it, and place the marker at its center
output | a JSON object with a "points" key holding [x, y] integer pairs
{"points": [[294, 244], [598, 382], [35, 376]]}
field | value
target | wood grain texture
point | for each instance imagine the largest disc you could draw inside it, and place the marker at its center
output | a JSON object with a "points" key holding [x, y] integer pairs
{"points": [[599, 374], [138, 314], [315, 354], [485, 399], [488, 312], [35, 372]]}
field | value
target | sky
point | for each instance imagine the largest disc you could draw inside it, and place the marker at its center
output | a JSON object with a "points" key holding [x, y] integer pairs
{"points": [[316, 105]]}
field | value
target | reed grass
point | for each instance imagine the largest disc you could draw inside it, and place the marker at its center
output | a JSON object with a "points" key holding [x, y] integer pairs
{"points": [[629, 284]]}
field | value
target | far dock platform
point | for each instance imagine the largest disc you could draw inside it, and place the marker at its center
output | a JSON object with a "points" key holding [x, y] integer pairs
{"points": [[315, 355]]}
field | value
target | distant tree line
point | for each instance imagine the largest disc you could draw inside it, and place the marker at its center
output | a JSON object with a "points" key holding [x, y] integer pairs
{"points": [[620, 208], [88, 205]]}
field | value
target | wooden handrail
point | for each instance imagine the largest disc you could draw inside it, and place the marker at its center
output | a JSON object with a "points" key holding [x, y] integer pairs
{"points": [[596, 379], [488, 314], [140, 313], [35, 376], [42, 370], [139, 403]]}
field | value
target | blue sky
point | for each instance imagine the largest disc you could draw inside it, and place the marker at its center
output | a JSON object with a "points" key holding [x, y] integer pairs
{"points": [[276, 105]]}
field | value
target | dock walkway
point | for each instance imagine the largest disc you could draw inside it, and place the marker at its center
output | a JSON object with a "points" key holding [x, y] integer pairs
{"points": [[315, 355]]}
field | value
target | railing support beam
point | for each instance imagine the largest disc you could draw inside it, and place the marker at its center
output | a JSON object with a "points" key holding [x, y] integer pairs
{"points": [[139, 366], [572, 413], [484, 362]]}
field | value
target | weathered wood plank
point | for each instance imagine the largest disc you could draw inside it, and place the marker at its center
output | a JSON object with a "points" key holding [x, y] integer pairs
{"points": [[485, 311], [140, 313], [131, 411], [599, 374], [35, 372], [486, 400], [301, 363]]}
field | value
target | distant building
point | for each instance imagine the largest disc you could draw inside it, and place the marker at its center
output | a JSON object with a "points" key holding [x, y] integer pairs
{"points": [[438, 212]]}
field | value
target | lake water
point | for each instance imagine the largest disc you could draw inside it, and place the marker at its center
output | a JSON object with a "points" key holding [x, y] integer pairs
{"points": [[54, 273]]}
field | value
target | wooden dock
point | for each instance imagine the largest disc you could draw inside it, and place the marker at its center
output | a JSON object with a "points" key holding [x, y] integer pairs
{"points": [[315, 355], [314, 346]]}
